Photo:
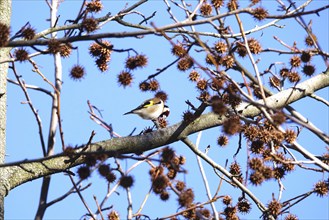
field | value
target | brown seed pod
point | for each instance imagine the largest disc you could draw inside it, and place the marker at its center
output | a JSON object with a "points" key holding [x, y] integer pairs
{"points": [[77, 72], [94, 6], [206, 9], [126, 181], [28, 33], [125, 79], [260, 13], [89, 24], [21, 54]]}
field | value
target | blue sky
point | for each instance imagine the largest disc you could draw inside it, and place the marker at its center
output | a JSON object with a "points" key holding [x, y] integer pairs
{"points": [[102, 90]]}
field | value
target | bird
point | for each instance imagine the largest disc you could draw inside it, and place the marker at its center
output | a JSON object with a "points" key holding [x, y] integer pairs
{"points": [[151, 109]]}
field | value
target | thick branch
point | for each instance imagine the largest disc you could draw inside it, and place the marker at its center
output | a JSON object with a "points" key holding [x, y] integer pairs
{"points": [[19, 173]]}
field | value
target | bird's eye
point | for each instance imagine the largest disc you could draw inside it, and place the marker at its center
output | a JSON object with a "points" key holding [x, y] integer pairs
{"points": [[148, 103]]}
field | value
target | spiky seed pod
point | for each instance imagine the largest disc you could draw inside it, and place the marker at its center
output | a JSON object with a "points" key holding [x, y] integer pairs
{"points": [[156, 171], [163, 123], [113, 215], [204, 96], [274, 208], [206, 213], [275, 81], [267, 172], [178, 50], [164, 196], [288, 166], [232, 5], [186, 197], [218, 105], [159, 184], [171, 173], [217, 3], [256, 178], [126, 181], [227, 200], [69, 151], [294, 77], [232, 125], [202, 84], [90, 160], [167, 155], [241, 50], [255, 164], [228, 61], [110, 177], [54, 46], [83, 172], [267, 155], [321, 188], [295, 61], [230, 212], [254, 46], [206, 9], [21, 54], [222, 140], [89, 24], [217, 83], [235, 169], [308, 70], [306, 56], [94, 6], [257, 92], [290, 136], [244, 206], [77, 72], [154, 85], [125, 79], [97, 50], [185, 63], [194, 76], [220, 47], [28, 33], [284, 72], [190, 213], [4, 34], [104, 170], [260, 13], [102, 63], [162, 95], [180, 185], [251, 132], [144, 86], [291, 217], [279, 172], [188, 116], [309, 41], [257, 147], [65, 50], [137, 61]]}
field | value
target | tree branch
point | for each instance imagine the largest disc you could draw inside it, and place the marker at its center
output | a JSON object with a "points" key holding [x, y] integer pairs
{"points": [[19, 173]]}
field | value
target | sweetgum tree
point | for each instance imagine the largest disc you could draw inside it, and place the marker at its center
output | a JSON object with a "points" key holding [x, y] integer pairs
{"points": [[246, 82]]}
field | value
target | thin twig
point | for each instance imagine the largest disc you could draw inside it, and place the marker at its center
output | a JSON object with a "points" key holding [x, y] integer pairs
{"points": [[35, 112], [204, 177]]}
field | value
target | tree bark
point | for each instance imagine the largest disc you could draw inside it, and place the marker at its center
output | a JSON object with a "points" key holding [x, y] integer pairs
{"points": [[24, 171], [5, 14]]}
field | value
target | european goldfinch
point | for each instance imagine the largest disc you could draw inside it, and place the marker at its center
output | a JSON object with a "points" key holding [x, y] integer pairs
{"points": [[151, 109]]}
